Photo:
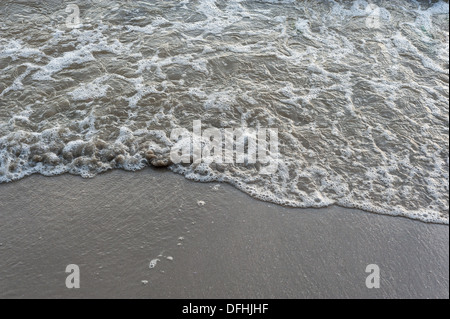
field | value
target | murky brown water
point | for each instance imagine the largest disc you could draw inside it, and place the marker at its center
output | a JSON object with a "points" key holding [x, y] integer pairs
{"points": [[358, 92]]}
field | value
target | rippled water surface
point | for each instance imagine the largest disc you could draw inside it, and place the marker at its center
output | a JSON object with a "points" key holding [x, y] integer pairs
{"points": [[358, 92]]}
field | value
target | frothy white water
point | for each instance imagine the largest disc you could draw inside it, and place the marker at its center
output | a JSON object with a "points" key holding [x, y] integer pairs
{"points": [[358, 92]]}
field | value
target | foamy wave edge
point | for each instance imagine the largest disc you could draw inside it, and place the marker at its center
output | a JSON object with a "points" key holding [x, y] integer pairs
{"points": [[427, 216]]}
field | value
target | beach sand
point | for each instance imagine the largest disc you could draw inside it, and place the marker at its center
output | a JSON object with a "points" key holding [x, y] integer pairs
{"points": [[233, 246]]}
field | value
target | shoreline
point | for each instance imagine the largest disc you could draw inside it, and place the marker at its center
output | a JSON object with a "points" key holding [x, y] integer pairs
{"points": [[154, 167], [208, 241]]}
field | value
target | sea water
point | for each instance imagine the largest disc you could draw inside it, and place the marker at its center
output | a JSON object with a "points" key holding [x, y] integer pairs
{"points": [[358, 91]]}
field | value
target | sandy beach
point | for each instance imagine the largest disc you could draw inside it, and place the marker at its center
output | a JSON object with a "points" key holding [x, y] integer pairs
{"points": [[207, 241]]}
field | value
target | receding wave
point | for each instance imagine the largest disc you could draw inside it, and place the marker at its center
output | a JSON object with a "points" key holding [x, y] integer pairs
{"points": [[358, 92]]}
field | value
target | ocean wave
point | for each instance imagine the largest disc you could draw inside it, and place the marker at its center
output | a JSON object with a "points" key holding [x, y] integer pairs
{"points": [[358, 92]]}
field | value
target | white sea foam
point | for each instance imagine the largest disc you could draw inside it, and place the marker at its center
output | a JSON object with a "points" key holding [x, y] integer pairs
{"points": [[362, 112]]}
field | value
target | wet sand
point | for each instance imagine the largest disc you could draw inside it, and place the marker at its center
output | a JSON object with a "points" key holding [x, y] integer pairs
{"points": [[114, 225]]}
